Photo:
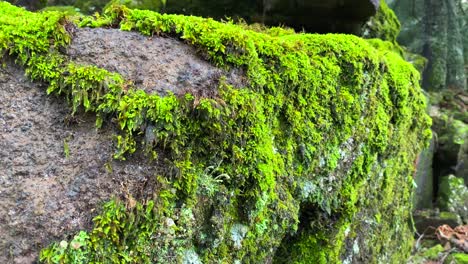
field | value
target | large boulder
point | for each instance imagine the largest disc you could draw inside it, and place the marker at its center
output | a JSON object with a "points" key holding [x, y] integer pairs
{"points": [[230, 145]]}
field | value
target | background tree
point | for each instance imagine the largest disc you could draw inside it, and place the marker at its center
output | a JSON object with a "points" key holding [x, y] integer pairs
{"points": [[437, 30]]}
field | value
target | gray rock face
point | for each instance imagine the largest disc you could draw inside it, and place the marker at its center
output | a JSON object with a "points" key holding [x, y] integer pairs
{"points": [[43, 193], [424, 178]]}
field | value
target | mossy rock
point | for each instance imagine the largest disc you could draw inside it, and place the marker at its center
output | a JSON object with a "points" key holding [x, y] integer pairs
{"points": [[312, 161], [433, 252], [429, 218], [384, 25], [418, 61], [453, 196], [312, 16], [450, 120], [457, 258]]}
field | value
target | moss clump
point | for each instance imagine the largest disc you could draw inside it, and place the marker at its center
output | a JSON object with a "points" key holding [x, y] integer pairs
{"points": [[453, 196], [433, 252], [382, 31], [384, 25], [418, 61], [294, 163], [457, 258], [386, 45]]}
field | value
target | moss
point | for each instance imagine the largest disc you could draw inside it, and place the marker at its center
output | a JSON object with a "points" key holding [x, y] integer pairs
{"points": [[433, 252], [382, 31], [384, 25], [294, 161], [457, 258], [418, 61], [386, 45], [453, 196], [450, 217]]}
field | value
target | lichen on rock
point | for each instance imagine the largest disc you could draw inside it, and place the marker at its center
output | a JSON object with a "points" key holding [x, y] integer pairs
{"points": [[311, 161]]}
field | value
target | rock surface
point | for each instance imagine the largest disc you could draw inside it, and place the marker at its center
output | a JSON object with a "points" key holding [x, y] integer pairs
{"points": [[46, 193], [155, 65], [424, 178]]}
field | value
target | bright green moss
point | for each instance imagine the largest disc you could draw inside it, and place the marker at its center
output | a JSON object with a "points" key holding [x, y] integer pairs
{"points": [[26, 34], [458, 258], [433, 252], [325, 134], [386, 45], [418, 61], [384, 25]]}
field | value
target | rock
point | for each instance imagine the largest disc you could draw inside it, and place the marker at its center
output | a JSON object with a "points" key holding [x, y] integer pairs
{"points": [[424, 193], [319, 16], [426, 219], [453, 196], [384, 25], [309, 160], [418, 61], [156, 65], [48, 196], [462, 163]]}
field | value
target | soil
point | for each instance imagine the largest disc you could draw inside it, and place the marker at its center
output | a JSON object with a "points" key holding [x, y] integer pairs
{"points": [[48, 195]]}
